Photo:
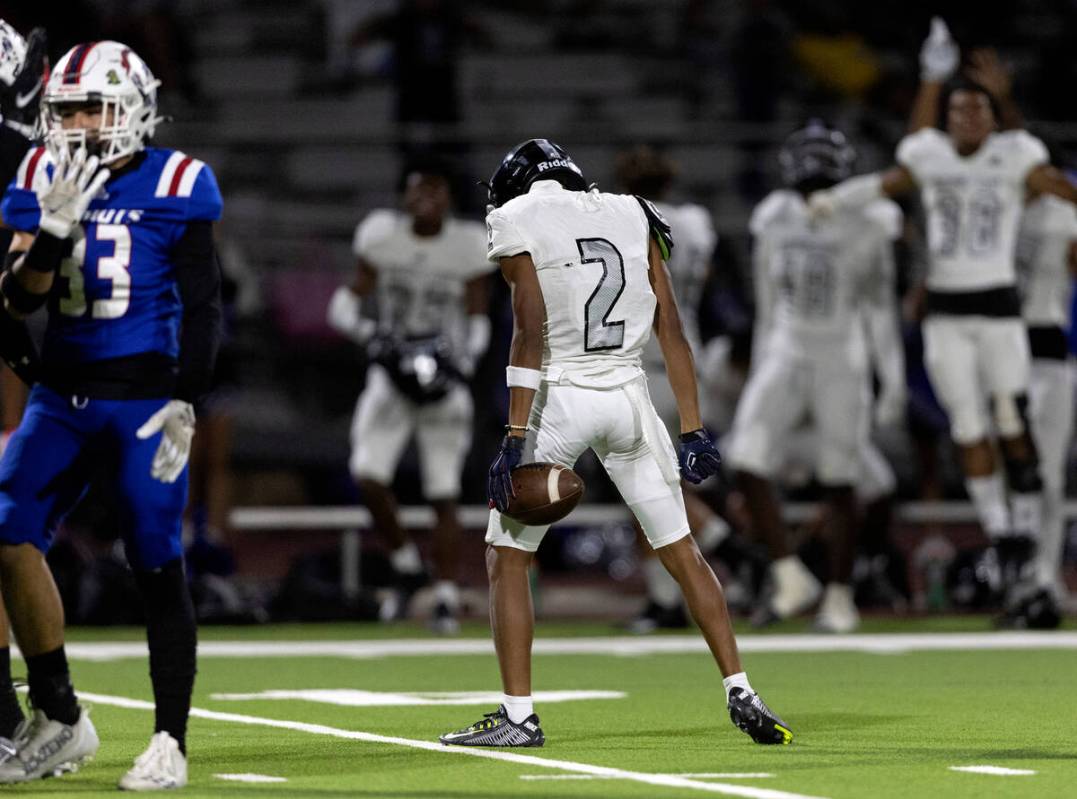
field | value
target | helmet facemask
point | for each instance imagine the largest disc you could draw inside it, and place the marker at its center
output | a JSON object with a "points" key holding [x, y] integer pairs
{"points": [[122, 87]]}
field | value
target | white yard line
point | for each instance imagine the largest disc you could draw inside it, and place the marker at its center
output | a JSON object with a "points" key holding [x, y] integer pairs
{"points": [[628, 646], [998, 771], [663, 780], [259, 778], [731, 775]]}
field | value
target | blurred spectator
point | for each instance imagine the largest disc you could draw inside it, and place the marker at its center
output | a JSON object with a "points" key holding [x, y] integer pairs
{"points": [[426, 36]]}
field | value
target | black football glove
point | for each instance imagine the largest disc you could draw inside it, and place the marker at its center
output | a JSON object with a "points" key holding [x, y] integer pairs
{"points": [[698, 456], [499, 483], [21, 103]]}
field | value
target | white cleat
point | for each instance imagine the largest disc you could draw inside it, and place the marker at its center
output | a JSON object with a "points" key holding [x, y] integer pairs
{"points": [[161, 767], [47, 748], [795, 587], [837, 613]]}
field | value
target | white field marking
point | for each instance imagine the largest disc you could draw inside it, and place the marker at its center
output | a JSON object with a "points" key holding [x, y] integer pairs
{"points": [[349, 697], [731, 775], [998, 771], [629, 646], [664, 780], [249, 778]]}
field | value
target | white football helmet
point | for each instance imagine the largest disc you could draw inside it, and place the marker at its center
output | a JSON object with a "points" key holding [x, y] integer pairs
{"points": [[12, 53], [112, 74]]}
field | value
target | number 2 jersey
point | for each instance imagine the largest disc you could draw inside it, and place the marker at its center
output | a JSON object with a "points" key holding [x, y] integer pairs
{"points": [[590, 253], [973, 205], [117, 296]]}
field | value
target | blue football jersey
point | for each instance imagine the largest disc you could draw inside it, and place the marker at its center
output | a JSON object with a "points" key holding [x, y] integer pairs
{"points": [[116, 295]]}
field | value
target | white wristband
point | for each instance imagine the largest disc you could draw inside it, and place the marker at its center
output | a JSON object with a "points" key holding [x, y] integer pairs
{"points": [[858, 192], [523, 378]]}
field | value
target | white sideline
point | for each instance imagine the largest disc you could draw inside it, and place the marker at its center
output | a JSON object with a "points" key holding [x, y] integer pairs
{"points": [[997, 771], [730, 775], [626, 646], [663, 780]]}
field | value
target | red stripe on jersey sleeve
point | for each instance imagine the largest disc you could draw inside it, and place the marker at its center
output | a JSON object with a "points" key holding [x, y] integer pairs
{"points": [[177, 176], [31, 168]]}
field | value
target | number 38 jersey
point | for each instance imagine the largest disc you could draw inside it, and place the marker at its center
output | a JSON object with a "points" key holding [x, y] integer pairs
{"points": [[116, 293], [590, 254], [973, 204]]}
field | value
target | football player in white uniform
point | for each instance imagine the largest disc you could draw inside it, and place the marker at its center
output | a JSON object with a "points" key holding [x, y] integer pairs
{"points": [[972, 181], [426, 274], [589, 281], [645, 172], [1046, 259], [825, 303]]}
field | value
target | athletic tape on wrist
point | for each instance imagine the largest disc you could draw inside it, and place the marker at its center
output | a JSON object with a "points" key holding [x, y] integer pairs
{"points": [[522, 377], [45, 253], [22, 301]]}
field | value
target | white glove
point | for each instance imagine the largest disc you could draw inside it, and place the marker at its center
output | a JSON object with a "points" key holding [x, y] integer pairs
{"points": [[939, 54], [822, 204], [66, 195], [890, 407], [175, 422]]}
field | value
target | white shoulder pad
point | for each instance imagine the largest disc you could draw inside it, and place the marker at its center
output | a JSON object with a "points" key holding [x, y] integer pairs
{"points": [[503, 238], [914, 148], [772, 206], [887, 214], [375, 227]]}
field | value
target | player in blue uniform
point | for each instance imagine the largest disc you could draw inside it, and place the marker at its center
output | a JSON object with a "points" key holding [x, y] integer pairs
{"points": [[22, 73], [124, 258]]}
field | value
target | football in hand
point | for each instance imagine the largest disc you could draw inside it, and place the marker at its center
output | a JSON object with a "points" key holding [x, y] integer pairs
{"points": [[545, 493]]}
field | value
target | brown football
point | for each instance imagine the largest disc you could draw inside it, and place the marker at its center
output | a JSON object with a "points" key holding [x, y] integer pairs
{"points": [[545, 493]]}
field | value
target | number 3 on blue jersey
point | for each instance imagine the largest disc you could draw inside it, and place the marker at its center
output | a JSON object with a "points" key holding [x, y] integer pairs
{"points": [[115, 268]]}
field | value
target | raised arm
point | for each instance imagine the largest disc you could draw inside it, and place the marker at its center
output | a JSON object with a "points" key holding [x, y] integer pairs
{"points": [[1045, 179], [938, 61], [986, 69], [522, 375], [858, 191]]}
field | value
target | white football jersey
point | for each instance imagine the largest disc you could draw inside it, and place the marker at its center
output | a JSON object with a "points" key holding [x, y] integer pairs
{"points": [[421, 279], [813, 279], [694, 240], [1048, 227], [590, 253], [973, 204]]}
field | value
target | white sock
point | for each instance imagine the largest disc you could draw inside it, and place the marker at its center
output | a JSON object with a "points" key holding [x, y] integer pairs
{"points": [[446, 592], [518, 707], [713, 533], [988, 496], [406, 560], [1026, 512], [738, 680], [661, 587]]}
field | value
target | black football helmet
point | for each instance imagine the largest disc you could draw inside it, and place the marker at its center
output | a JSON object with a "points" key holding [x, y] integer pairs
{"points": [[535, 159], [815, 157]]}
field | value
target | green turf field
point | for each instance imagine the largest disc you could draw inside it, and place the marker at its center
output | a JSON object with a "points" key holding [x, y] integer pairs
{"points": [[866, 724]]}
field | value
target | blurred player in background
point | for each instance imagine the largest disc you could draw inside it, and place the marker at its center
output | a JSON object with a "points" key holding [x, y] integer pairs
{"points": [[645, 172], [973, 181], [22, 74], [124, 257], [426, 273], [825, 305], [1046, 256], [588, 279], [1046, 263]]}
